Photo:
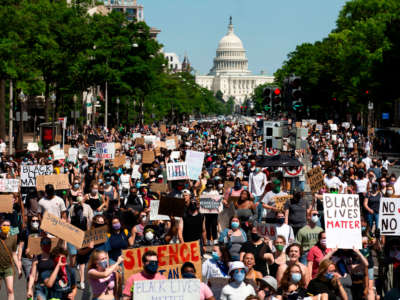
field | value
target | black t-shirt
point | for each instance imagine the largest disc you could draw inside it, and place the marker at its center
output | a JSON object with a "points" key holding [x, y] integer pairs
{"points": [[318, 286], [258, 251], [299, 294], [297, 213]]}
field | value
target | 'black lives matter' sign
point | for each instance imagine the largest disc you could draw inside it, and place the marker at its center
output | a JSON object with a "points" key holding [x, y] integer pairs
{"points": [[29, 174]]}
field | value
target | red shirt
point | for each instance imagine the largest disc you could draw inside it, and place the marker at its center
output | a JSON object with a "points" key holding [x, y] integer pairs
{"points": [[316, 254], [139, 277]]}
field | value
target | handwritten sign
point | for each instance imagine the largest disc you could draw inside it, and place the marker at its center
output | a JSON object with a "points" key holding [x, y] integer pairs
{"points": [[9, 185], [6, 203], [148, 157], [139, 141], [29, 174], [105, 150], [159, 187], [170, 206], [280, 201], [177, 171], [170, 144], [58, 154], [154, 216], [119, 161], [267, 230], [63, 230], [59, 181], [73, 154], [315, 179], [194, 161], [342, 221], [182, 289], [33, 147], [95, 235], [34, 244], [389, 216], [170, 259], [210, 204]]}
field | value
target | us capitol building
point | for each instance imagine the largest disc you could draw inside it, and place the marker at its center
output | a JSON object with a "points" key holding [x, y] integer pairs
{"points": [[230, 73]]}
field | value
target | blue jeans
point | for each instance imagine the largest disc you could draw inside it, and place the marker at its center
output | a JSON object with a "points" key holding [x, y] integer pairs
{"points": [[303, 258], [371, 218]]}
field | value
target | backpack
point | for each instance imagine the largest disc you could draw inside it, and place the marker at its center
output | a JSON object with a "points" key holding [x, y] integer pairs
{"points": [[78, 219]]}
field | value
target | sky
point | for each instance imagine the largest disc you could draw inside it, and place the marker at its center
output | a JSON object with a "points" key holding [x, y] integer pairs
{"points": [[269, 29]]}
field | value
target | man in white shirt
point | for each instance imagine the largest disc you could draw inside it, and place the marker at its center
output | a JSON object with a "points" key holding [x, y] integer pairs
{"points": [[52, 203], [257, 183], [333, 182], [367, 161]]}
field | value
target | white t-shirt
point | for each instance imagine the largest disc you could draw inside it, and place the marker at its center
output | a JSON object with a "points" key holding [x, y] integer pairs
{"points": [[233, 291], [286, 231], [361, 185], [367, 161], [54, 206], [333, 183], [210, 269], [257, 183], [268, 199]]}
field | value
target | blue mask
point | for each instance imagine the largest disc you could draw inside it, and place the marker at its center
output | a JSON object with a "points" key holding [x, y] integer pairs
{"points": [[235, 225], [329, 276], [296, 277], [108, 182], [138, 184], [76, 186], [188, 275], [239, 276], [215, 256], [103, 264]]}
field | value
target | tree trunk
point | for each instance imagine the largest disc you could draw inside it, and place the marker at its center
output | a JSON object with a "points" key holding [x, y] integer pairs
{"points": [[3, 108], [46, 103]]}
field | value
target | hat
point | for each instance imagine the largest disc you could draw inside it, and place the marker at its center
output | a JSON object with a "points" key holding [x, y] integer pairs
{"points": [[186, 192], [276, 182], [160, 176], [270, 281], [236, 265]]}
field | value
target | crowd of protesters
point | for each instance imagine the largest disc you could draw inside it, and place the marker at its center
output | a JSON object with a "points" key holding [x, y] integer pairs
{"points": [[294, 264]]}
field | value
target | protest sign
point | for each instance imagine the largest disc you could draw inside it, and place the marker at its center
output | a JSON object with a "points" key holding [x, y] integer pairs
{"points": [[136, 135], [280, 201], [170, 144], [389, 216], [6, 203], [95, 235], [9, 185], [267, 230], [159, 187], [170, 206], [175, 155], [148, 157], [163, 129], [34, 244], [154, 216], [33, 147], [139, 141], [92, 152], [58, 154], [210, 204], [59, 181], [55, 147], [29, 174], [319, 127], [333, 127], [315, 179], [194, 161], [66, 149], [228, 185], [105, 150], [346, 125], [150, 139], [182, 289], [73, 154], [170, 259], [119, 161], [184, 129], [177, 171], [63, 230], [342, 221], [82, 152]]}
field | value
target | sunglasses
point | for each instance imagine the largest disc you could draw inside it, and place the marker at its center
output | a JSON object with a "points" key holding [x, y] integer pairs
{"points": [[315, 215]]}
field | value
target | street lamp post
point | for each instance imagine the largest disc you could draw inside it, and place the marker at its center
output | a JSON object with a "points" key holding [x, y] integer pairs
{"points": [[22, 99], [75, 98], [118, 111], [53, 131]]}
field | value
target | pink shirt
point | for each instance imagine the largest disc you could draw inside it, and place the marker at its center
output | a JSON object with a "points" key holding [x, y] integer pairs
{"points": [[316, 255], [205, 291], [139, 277]]}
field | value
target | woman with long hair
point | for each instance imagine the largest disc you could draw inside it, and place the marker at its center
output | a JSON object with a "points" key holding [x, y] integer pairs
{"points": [[233, 237], [249, 261], [317, 254], [279, 255], [293, 283]]}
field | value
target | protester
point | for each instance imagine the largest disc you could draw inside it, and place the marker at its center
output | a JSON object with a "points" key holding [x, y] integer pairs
{"points": [[233, 237], [188, 271], [237, 289]]}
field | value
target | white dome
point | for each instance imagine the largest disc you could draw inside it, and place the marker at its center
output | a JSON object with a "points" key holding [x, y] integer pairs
{"points": [[230, 41]]}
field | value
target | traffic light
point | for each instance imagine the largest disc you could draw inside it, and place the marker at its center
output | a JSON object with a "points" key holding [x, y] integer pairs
{"points": [[295, 92], [267, 97], [276, 99], [241, 109]]}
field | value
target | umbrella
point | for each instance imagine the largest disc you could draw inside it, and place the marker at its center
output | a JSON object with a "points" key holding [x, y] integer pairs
{"points": [[282, 160]]}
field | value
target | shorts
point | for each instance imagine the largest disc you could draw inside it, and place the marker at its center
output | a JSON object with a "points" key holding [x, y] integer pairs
{"points": [[71, 249], [371, 274], [6, 272]]}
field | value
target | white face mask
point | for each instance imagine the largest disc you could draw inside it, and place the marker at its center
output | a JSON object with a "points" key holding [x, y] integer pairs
{"points": [[35, 225], [389, 192], [149, 235], [315, 219]]}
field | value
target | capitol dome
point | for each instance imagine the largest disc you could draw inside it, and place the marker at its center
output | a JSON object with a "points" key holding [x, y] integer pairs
{"points": [[231, 55]]}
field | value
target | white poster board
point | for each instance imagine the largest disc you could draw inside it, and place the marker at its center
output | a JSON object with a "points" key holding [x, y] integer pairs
{"points": [[194, 161], [389, 216], [73, 154], [177, 171], [105, 150], [182, 289], [59, 154], [33, 147], [175, 155], [55, 147], [342, 221], [170, 144], [29, 174], [9, 185], [150, 139], [154, 216], [210, 204]]}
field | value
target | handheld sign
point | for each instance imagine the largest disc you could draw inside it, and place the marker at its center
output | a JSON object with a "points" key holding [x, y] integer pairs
{"points": [[105, 150], [6, 203], [267, 230], [9, 185], [119, 161], [62, 230], [170, 206], [29, 174], [170, 144], [73, 154], [154, 216], [33, 147], [148, 157], [315, 179], [210, 204], [342, 221], [194, 161], [170, 259], [389, 216], [280, 201], [95, 235], [177, 171], [34, 244], [59, 181], [182, 289]]}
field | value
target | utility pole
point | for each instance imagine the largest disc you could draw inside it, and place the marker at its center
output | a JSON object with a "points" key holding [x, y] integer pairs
{"points": [[11, 117], [106, 107]]}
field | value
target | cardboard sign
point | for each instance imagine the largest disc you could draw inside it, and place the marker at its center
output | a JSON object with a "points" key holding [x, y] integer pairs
{"points": [[170, 144], [63, 230], [194, 161], [170, 259], [342, 221], [280, 201], [159, 187], [228, 185], [315, 179], [97, 235], [154, 216], [119, 161], [210, 204], [33, 147], [177, 171], [389, 216], [58, 154], [59, 181], [66, 149], [73, 154], [267, 230], [34, 244], [29, 174], [6, 203], [163, 129], [148, 157], [139, 141], [105, 150], [170, 206], [9, 185], [182, 289]]}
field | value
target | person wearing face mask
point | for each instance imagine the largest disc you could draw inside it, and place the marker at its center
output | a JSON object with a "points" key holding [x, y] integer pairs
{"points": [[268, 201], [119, 239], [89, 177], [283, 229], [333, 182], [150, 238], [267, 288], [257, 183], [109, 190], [233, 237], [390, 192], [97, 202], [150, 268], [307, 236], [52, 203], [217, 266], [316, 254], [138, 230], [75, 191], [237, 288], [211, 220], [188, 271], [371, 205], [102, 276], [292, 285]]}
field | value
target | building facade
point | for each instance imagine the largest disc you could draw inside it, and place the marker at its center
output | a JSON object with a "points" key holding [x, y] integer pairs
{"points": [[230, 73]]}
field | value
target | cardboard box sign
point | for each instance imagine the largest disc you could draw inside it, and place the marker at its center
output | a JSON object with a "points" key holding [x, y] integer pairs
{"points": [[6, 203], [148, 157], [170, 206], [163, 129], [66, 149], [170, 259], [119, 161], [60, 182], [34, 244], [139, 142], [315, 179], [97, 235], [63, 230], [159, 187], [229, 185], [280, 201]]}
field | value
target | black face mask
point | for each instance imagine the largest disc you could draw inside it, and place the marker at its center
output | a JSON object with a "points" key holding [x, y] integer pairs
{"points": [[97, 225], [255, 237]]}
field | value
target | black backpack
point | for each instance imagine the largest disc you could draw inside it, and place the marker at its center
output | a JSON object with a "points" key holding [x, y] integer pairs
{"points": [[78, 219]]}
